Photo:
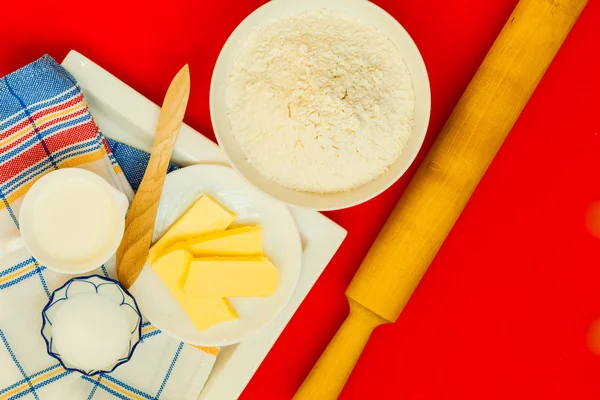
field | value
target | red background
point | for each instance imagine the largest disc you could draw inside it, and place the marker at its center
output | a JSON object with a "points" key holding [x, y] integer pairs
{"points": [[505, 308]]}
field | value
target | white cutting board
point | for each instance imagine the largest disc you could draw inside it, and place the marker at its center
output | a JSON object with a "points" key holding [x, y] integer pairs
{"points": [[125, 115]]}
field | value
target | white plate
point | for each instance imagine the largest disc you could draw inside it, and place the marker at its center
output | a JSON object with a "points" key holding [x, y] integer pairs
{"points": [[125, 115], [281, 245]]}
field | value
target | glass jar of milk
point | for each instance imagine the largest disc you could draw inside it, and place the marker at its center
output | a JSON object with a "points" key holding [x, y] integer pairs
{"points": [[72, 220]]}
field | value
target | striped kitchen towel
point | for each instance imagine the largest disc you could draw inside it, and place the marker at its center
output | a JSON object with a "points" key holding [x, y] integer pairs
{"points": [[44, 125]]}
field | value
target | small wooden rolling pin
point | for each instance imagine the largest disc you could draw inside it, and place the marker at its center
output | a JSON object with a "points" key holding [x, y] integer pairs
{"points": [[443, 184], [139, 224]]}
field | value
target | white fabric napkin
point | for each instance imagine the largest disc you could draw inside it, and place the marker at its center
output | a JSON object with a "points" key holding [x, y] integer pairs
{"points": [[44, 125]]}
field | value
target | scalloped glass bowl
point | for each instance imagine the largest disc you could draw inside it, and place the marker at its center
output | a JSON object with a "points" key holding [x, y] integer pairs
{"points": [[108, 288]]}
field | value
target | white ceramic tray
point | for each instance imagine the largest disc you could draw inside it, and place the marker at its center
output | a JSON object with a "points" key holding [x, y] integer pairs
{"points": [[127, 116]]}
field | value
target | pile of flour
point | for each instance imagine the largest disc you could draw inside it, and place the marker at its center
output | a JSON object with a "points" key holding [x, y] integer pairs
{"points": [[320, 101]]}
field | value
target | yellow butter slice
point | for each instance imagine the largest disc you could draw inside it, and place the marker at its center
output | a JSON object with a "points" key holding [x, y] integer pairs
{"points": [[173, 266], [231, 277], [204, 312], [205, 216], [244, 241]]}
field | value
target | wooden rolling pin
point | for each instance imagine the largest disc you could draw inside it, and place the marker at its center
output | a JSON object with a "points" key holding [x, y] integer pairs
{"points": [[443, 184]]}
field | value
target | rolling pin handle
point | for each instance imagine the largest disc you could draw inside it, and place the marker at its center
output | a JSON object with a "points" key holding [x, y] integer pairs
{"points": [[329, 375]]}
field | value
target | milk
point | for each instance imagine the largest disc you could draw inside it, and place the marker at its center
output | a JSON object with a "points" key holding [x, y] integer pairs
{"points": [[72, 220], [90, 332], [75, 220]]}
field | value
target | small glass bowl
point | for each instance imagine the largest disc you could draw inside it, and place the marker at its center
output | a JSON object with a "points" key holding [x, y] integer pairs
{"points": [[107, 288]]}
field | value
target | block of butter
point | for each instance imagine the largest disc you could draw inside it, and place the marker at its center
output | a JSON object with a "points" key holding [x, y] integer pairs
{"points": [[203, 311], [231, 277], [205, 216], [244, 241]]}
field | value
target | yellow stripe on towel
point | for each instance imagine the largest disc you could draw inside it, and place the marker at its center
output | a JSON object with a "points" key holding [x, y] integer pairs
{"points": [[30, 127], [26, 385], [16, 274], [214, 351], [86, 158], [121, 390]]}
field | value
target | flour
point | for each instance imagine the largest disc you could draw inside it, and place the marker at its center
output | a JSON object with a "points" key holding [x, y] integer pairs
{"points": [[320, 101]]}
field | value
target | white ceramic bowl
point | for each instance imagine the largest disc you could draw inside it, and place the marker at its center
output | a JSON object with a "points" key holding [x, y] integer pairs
{"points": [[366, 12], [27, 224]]}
